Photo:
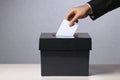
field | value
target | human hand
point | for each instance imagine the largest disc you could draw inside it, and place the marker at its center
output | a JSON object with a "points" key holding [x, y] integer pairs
{"points": [[77, 13]]}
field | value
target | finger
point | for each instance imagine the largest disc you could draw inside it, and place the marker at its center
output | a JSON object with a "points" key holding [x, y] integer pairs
{"points": [[73, 20], [69, 15]]}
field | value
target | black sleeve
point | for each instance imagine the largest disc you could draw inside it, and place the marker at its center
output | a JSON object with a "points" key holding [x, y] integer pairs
{"points": [[100, 7]]}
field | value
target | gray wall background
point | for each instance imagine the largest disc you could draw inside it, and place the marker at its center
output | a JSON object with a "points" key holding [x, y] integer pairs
{"points": [[22, 21]]}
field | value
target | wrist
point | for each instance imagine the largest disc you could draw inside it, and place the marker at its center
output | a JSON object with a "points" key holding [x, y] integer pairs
{"points": [[88, 7]]}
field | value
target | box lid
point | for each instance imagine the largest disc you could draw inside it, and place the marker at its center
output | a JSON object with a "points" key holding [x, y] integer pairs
{"points": [[80, 41]]}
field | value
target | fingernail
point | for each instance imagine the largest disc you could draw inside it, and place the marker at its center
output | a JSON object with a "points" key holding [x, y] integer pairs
{"points": [[70, 24]]}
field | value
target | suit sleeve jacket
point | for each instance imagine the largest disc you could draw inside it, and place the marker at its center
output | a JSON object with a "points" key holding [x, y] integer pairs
{"points": [[100, 7]]}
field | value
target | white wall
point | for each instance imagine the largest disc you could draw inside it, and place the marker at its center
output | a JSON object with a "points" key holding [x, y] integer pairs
{"points": [[22, 21]]}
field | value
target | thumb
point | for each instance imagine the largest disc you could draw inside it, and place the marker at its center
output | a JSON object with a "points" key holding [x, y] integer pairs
{"points": [[73, 20]]}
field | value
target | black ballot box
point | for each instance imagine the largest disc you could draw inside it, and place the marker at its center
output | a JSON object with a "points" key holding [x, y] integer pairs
{"points": [[65, 56]]}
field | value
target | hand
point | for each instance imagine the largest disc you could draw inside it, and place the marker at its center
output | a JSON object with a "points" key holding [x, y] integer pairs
{"points": [[77, 13]]}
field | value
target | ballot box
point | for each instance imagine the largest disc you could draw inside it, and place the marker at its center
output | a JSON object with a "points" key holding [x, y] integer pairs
{"points": [[65, 56]]}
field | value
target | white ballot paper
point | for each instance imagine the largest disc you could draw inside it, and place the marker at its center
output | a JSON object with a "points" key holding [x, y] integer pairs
{"points": [[65, 30]]}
